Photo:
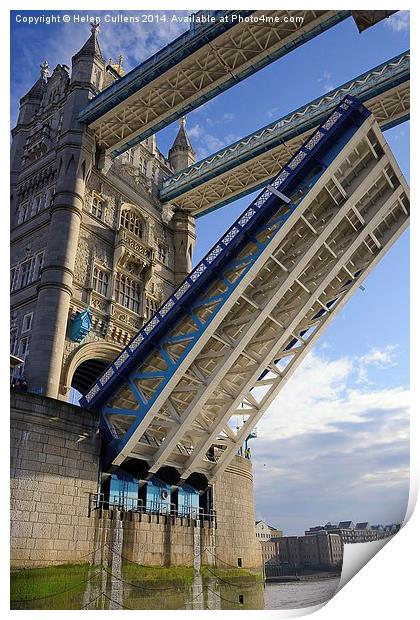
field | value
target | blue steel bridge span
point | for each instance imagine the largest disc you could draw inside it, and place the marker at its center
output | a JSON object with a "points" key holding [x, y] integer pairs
{"points": [[235, 330]]}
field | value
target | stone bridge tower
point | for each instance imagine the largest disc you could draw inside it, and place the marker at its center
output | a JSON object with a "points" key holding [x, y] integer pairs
{"points": [[88, 239], [93, 256]]}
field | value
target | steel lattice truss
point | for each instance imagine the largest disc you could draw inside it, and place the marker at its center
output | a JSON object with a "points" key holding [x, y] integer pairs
{"points": [[220, 61], [366, 19], [232, 334], [251, 162]]}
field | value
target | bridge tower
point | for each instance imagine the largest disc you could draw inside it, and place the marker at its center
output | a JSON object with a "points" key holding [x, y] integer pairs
{"points": [[87, 231], [182, 155]]}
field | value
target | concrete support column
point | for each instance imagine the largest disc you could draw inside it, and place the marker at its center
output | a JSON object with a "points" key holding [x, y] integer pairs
{"points": [[55, 289], [184, 241]]}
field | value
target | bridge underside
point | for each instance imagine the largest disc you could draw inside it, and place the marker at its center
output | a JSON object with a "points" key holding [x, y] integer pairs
{"points": [[199, 65], [236, 329], [367, 19], [247, 165]]}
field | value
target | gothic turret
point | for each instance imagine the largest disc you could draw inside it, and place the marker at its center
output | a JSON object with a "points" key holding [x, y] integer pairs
{"points": [[181, 154], [30, 102], [88, 64], [29, 106], [114, 71]]}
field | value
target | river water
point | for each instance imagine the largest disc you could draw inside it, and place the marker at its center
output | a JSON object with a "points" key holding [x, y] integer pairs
{"points": [[299, 593], [104, 590]]}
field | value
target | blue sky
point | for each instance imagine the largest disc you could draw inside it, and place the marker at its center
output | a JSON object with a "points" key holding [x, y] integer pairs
{"points": [[335, 443]]}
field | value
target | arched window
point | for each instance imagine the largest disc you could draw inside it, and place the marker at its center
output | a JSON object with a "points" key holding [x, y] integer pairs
{"points": [[132, 222], [128, 292], [100, 281], [151, 308], [143, 166], [97, 206]]}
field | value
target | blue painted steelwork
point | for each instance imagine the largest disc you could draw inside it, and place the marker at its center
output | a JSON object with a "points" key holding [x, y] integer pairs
{"points": [[302, 170], [174, 53], [157, 496], [123, 489], [81, 325], [365, 87], [188, 501]]}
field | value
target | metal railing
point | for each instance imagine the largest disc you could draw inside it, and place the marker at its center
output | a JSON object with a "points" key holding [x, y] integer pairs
{"points": [[98, 502]]}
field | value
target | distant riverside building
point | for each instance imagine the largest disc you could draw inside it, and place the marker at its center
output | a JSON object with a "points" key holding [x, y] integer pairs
{"points": [[275, 533], [351, 532], [320, 550], [268, 537], [265, 532], [269, 549]]}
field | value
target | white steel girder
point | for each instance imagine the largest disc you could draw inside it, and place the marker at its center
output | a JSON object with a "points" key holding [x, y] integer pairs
{"points": [[309, 267], [232, 53], [388, 107]]}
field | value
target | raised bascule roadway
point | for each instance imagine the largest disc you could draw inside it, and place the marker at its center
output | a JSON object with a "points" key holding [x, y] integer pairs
{"points": [[224, 344]]}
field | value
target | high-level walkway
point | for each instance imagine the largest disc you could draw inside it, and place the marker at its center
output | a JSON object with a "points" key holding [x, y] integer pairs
{"points": [[222, 346], [206, 60], [249, 163]]}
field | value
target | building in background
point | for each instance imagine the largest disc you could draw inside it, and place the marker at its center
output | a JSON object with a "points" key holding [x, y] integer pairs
{"points": [[269, 550], [351, 532], [265, 532], [275, 533], [323, 550]]}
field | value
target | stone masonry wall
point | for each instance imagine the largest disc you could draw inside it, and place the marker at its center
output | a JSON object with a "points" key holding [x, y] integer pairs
{"points": [[153, 540], [234, 504], [54, 466]]}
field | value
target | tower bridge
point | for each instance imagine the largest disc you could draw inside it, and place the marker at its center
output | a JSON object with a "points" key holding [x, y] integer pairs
{"points": [[249, 163], [103, 288], [230, 336], [200, 64]]}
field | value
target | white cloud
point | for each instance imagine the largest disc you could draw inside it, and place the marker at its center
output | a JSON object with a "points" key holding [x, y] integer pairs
{"points": [[322, 392], [272, 113], [325, 81], [399, 22], [379, 358], [206, 143], [330, 449]]}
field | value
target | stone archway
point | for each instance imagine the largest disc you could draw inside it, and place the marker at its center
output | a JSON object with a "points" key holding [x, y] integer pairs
{"points": [[85, 364]]}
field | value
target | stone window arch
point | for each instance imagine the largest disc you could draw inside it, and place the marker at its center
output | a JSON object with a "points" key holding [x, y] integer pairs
{"points": [[97, 205], [152, 306], [128, 292], [100, 280], [133, 222]]}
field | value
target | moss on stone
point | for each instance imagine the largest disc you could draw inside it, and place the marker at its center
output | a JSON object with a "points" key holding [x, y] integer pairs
{"points": [[39, 583], [231, 574], [137, 572]]}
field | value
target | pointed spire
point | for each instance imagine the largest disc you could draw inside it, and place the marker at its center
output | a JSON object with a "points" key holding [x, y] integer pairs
{"points": [[91, 48], [38, 89], [181, 154], [182, 141], [95, 27], [117, 66]]}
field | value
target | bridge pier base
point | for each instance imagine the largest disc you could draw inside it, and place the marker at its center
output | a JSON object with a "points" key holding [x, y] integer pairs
{"points": [[55, 462]]}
